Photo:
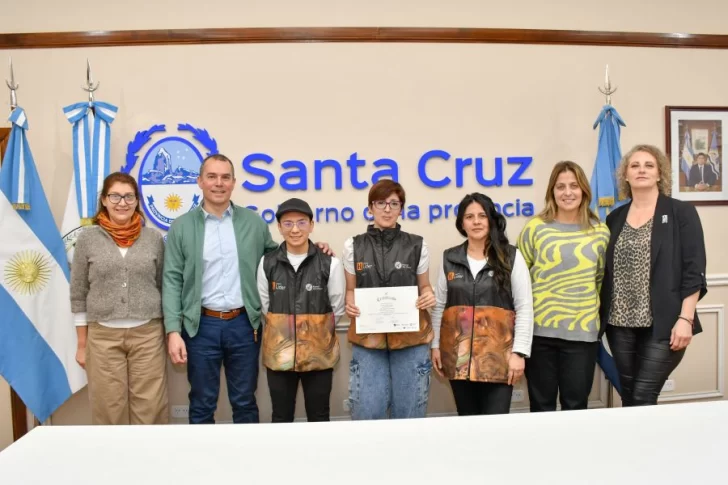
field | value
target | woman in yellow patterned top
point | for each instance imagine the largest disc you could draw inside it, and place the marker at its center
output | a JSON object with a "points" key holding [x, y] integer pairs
{"points": [[564, 247]]}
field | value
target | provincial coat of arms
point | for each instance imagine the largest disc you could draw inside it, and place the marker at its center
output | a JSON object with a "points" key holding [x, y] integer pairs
{"points": [[168, 171]]}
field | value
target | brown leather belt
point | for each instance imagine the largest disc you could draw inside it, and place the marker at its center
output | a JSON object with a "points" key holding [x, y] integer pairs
{"points": [[223, 315]]}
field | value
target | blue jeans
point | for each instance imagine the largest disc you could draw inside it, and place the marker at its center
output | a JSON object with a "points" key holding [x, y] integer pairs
{"points": [[222, 342], [389, 380]]}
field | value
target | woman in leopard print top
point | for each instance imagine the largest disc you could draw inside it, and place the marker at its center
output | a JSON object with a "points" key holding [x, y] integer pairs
{"points": [[654, 276]]}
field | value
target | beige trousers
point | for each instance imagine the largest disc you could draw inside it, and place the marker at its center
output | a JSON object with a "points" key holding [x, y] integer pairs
{"points": [[127, 374]]}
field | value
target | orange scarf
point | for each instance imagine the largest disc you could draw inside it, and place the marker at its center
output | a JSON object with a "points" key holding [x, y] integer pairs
{"points": [[123, 236]]}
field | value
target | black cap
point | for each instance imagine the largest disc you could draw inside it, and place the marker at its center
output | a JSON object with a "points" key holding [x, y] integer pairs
{"points": [[294, 205]]}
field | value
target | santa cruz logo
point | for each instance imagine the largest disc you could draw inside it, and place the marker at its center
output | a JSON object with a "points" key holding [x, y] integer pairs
{"points": [[168, 171]]}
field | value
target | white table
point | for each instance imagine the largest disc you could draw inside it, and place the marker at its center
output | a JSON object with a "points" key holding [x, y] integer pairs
{"points": [[667, 444]]}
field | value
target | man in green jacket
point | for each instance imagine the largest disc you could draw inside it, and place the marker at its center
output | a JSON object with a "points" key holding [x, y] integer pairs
{"points": [[210, 298]]}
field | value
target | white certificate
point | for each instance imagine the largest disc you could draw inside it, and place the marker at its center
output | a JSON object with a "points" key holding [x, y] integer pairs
{"points": [[390, 309]]}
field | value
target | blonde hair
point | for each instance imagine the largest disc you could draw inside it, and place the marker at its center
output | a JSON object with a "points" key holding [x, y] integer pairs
{"points": [[587, 217], [664, 184]]}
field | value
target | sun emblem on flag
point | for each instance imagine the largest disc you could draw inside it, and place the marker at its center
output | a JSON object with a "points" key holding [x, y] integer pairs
{"points": [[173, 202], [27, 272]]}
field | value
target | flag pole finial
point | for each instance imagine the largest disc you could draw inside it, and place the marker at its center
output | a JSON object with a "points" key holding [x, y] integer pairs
{"points": [[608, 90], [13, 87], [90, 87]]}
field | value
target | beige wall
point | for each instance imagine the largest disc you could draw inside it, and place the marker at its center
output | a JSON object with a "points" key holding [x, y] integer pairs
{"points": [[6, 425], [699, 16], [309, 101]]}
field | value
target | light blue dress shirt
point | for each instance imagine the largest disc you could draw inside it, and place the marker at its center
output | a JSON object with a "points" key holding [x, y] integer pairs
{"points": [[221, 289]]}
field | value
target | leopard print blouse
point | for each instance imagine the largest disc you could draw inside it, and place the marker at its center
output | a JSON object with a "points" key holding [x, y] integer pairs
{"points": [[631, 303]]}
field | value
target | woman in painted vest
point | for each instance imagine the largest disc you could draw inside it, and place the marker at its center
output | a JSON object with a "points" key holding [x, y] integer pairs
{"points": [[302, 297], [116, 283], [483, 318], [564, 247], [389, 372]]}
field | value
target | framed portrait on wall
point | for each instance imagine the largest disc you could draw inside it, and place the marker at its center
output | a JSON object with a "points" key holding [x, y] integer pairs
{"points": [[694, 137]]}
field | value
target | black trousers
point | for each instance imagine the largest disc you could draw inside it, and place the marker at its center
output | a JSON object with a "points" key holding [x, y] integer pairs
{"points": [[562, 368], [475, 398], [644, 363], [283, 386]]}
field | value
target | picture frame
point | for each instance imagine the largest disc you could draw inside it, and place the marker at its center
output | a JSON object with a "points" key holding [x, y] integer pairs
{"points": [[694, 145]]}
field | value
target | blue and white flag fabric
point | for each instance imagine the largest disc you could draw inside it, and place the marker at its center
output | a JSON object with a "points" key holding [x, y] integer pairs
{"points": [[37, 333], [686, 155], [605, 190], [714, 153], [605, 198], [19, 192], [91, 165], [91, 140]]}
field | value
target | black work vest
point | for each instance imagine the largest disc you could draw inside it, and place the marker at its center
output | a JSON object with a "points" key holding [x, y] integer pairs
{"points": [[300, 328], [388, 258], [477, 328]]}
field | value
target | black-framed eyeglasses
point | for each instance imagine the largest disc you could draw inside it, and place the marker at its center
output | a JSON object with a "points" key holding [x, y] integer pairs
{"points": [[116, 198], [302, 225], [382, 204]]}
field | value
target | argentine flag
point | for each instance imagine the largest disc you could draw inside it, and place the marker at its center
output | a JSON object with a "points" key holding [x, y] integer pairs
{"points": [[91, 165], [687, 156], [37, 333], [604, 200], [714, 153]]}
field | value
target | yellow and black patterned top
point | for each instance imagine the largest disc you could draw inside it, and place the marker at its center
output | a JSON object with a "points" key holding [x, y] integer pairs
{"points": [[567, 267]]}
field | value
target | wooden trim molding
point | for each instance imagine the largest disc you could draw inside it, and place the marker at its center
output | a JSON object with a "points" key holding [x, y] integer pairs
{"points": [[18, 412], [244, 35], [4, 139]]}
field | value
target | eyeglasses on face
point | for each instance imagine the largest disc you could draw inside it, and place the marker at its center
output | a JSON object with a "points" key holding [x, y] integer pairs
{"points": [[302, 225], [116, 198], [382, 204]]}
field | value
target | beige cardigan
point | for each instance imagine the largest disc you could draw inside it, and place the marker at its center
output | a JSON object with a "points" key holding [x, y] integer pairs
{"points": [[108, 286]]}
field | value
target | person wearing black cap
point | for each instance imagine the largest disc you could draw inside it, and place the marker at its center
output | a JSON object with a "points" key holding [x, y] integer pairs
{"points": [[210, 297], [302, 297]]}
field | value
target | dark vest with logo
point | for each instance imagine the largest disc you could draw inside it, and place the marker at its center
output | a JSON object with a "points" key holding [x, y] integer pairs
{"points": [[476, 334], [300, 328], [388, 258]]}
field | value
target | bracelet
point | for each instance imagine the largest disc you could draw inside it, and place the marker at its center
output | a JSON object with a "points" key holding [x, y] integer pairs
{"points": [[686, 319]]}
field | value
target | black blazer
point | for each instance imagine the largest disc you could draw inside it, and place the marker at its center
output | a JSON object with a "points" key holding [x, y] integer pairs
{"points": [[677, 268]]}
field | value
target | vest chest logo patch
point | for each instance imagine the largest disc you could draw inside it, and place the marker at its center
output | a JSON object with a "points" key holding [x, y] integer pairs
{"points": [[454, 276], [399, 265], [362, 266], [275, 286], [310, 287]]}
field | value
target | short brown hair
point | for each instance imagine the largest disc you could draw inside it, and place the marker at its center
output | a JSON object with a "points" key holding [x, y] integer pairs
{"points": [[383, 189], [664, 185], [121, 178], [220, 158]]}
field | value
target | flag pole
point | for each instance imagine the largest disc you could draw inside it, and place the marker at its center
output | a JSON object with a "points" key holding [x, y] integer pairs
{"points": [[90, 87], [18, 410], [607, 91]]}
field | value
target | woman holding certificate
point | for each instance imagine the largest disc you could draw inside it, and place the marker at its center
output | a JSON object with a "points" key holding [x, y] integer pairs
{"points": [[483, 318], [389, 370]]}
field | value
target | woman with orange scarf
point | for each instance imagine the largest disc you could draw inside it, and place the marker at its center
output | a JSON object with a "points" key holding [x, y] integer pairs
{"points": [[116, 283]]}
